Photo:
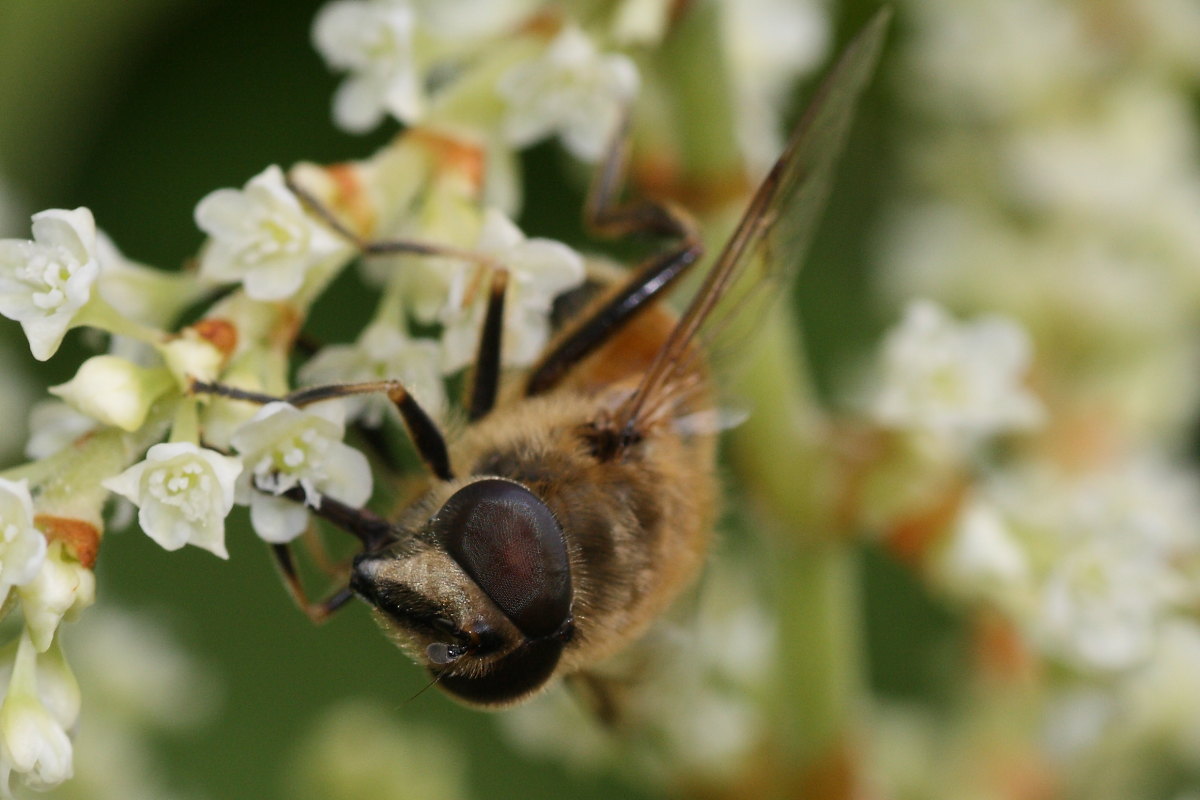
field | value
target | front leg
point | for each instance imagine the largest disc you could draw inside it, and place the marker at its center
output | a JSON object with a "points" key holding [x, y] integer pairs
{"points": [[605, 215], [423, 431]]}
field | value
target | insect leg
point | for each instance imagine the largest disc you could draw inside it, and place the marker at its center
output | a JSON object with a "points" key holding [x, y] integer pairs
{"points": [[423, 431], [232, 392], [371, 529], [605, 216], [317, 612], [385, 246], [486, 380], [602, 697]]}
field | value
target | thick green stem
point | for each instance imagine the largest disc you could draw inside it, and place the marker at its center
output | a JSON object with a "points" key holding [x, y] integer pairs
{"points": [[784, 456], [782, 450], [820, 680]]}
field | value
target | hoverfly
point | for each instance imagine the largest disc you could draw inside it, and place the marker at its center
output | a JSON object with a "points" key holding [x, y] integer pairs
{"points": [[571, 513]]}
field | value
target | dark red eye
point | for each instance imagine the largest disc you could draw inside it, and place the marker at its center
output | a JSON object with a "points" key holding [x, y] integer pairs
{"points": [[509, 543]]}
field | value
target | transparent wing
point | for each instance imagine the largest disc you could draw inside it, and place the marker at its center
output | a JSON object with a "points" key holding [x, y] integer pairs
{"points": [[770, 241]]}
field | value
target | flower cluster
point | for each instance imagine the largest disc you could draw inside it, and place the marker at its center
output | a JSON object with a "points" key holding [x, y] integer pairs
{"points": [[1052, 179], [39, 704], [187, 421], [562, 85], [1019, 451]]}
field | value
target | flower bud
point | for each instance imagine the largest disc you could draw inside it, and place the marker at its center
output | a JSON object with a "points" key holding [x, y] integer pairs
{"points": [[114, 391]]}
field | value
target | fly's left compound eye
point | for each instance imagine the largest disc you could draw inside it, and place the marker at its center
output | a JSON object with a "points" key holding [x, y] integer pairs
{"points": [[507, 541]]}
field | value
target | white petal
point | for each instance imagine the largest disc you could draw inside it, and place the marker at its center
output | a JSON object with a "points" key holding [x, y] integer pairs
{"points": [[74, 231], [350, 478], [276, 520], [499, 233]]}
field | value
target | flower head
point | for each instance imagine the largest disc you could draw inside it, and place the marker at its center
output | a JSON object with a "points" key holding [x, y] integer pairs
{"points": [[261, 235], [373, 41], [183, 493], [571, 90], [284, 447], [22, 546], [955, 380], [45, 282]]}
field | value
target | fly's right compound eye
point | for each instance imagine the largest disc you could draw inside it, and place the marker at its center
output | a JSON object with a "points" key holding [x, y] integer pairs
{"points": [[507, 541]]}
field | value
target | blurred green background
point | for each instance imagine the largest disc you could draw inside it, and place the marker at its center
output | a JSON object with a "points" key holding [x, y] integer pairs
{"points": [[136, 110]]}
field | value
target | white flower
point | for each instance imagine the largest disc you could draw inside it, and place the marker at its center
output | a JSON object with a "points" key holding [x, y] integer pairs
{"points": [[284, 447], [22, 546], [45, 282], [261, 235], [115, 391], [955, 381], [570, 90], [62, 586], [1101, 606], [382, 352], [1113, 166], [982, 558], [539, 270], [183, 493], [373, 41], [33, 743], [54, 425], [57, 687], [1146, 504]]}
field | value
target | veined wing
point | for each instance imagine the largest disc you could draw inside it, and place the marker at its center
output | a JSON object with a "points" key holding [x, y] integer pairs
{"points": [[774, 233]]}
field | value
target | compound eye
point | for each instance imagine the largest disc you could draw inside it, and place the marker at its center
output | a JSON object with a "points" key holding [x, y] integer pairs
{"points": [[509, 543]]}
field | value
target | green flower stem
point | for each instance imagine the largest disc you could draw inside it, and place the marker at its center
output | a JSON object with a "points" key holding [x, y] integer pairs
{"points": [[782, 449], [390, 311], [783, 455], [97, 313], [73, 488], [701, 91], [820, 681], [186, 426]]}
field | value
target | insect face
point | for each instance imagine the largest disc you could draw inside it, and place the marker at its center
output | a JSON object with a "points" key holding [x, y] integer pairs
{"points": [[480, 594]]}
